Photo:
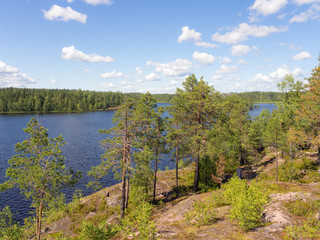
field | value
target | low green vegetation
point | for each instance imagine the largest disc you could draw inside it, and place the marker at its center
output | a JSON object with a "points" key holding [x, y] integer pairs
{"points": [[207, 133], [8, 228], [203, 212], [247, 202]]}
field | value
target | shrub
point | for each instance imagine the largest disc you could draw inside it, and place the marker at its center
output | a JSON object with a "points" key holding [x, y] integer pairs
{"points": [[296, 170], [247, 202], [56, 209], [91, 232], [309, 230], [139, 221], [302, 208], [219, 198], [8, 228], [203, 212]]}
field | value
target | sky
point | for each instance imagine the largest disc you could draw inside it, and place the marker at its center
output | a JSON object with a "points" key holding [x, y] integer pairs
{"points": [[153, 45]]}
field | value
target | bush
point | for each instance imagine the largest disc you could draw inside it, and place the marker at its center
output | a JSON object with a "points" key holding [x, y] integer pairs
{"points": [[219, 198], [203, 212], [309, 230], [296, 170], [8, 228], [247, 202], [302, 208], [56, 209], [91, 232], [139, 221]]}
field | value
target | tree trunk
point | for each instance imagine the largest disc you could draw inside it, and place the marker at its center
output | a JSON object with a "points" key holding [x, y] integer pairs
{"points": [[177, 171], [38, 218], [127, 190], [291, 161], [123, 197], [37, 225], [276, 162], [196, 174], [155, 173]]}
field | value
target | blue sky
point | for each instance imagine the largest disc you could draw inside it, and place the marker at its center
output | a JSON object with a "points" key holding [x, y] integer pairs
{"points": [[152, 45]]}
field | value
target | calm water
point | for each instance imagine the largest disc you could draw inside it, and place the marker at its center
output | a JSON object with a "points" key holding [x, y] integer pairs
{"points": [[259, 107], [80, 131]]}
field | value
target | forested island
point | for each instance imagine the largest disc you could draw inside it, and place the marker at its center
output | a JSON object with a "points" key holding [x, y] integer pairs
{"points": [[63, 100], [210, 137]]}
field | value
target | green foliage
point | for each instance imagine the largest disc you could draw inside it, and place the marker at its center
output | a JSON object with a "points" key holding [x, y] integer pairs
{"points": [[142, 174], [219, 198], [195, 107], [302, 207], [138, 195], [203, 212], [138, 220], [91, 232], [309, 230], [56, 209], [56, 100], [247, 202], [9, 230], [260, 97], [298, 169], [38, 169]]}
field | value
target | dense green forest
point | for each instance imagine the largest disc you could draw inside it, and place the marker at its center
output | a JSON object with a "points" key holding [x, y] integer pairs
{"points": [[207, 131], [62, 100]]}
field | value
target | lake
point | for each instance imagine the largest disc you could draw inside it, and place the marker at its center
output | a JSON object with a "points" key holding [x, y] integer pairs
{"points": [[80, 131]]}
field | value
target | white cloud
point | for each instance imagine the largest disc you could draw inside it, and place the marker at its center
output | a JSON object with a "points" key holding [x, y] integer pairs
{"points": [[139, 71], [241, 61], [53, 81], [97, 2], [301, 56], [297, 72], [177, 68], [291, 46], [125, 83], [225, 60], [216, 77], [310, 14], [243, 31], [11, 77], [174, 82], [203, 58], [240, 50], [69, 53], [267, 7], [302, 2], [69, 1], [205, 44], [224, 69], [189, 35], [64, 14], [276, 76], [113, 74], [152, 77], [107, 85], [86, 70]]}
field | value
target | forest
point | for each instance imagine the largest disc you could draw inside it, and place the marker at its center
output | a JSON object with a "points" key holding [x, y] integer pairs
{"points": [[207, 132], [63, 100]]}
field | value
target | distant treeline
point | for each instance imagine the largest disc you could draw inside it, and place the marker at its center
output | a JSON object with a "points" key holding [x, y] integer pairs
{"points": [[56, 100], [259, 97], [63, 100]]}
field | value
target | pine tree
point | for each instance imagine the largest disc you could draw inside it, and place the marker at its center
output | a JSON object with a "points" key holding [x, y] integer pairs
{"points": [[118, 151], [198, 110], [38, 169]]}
